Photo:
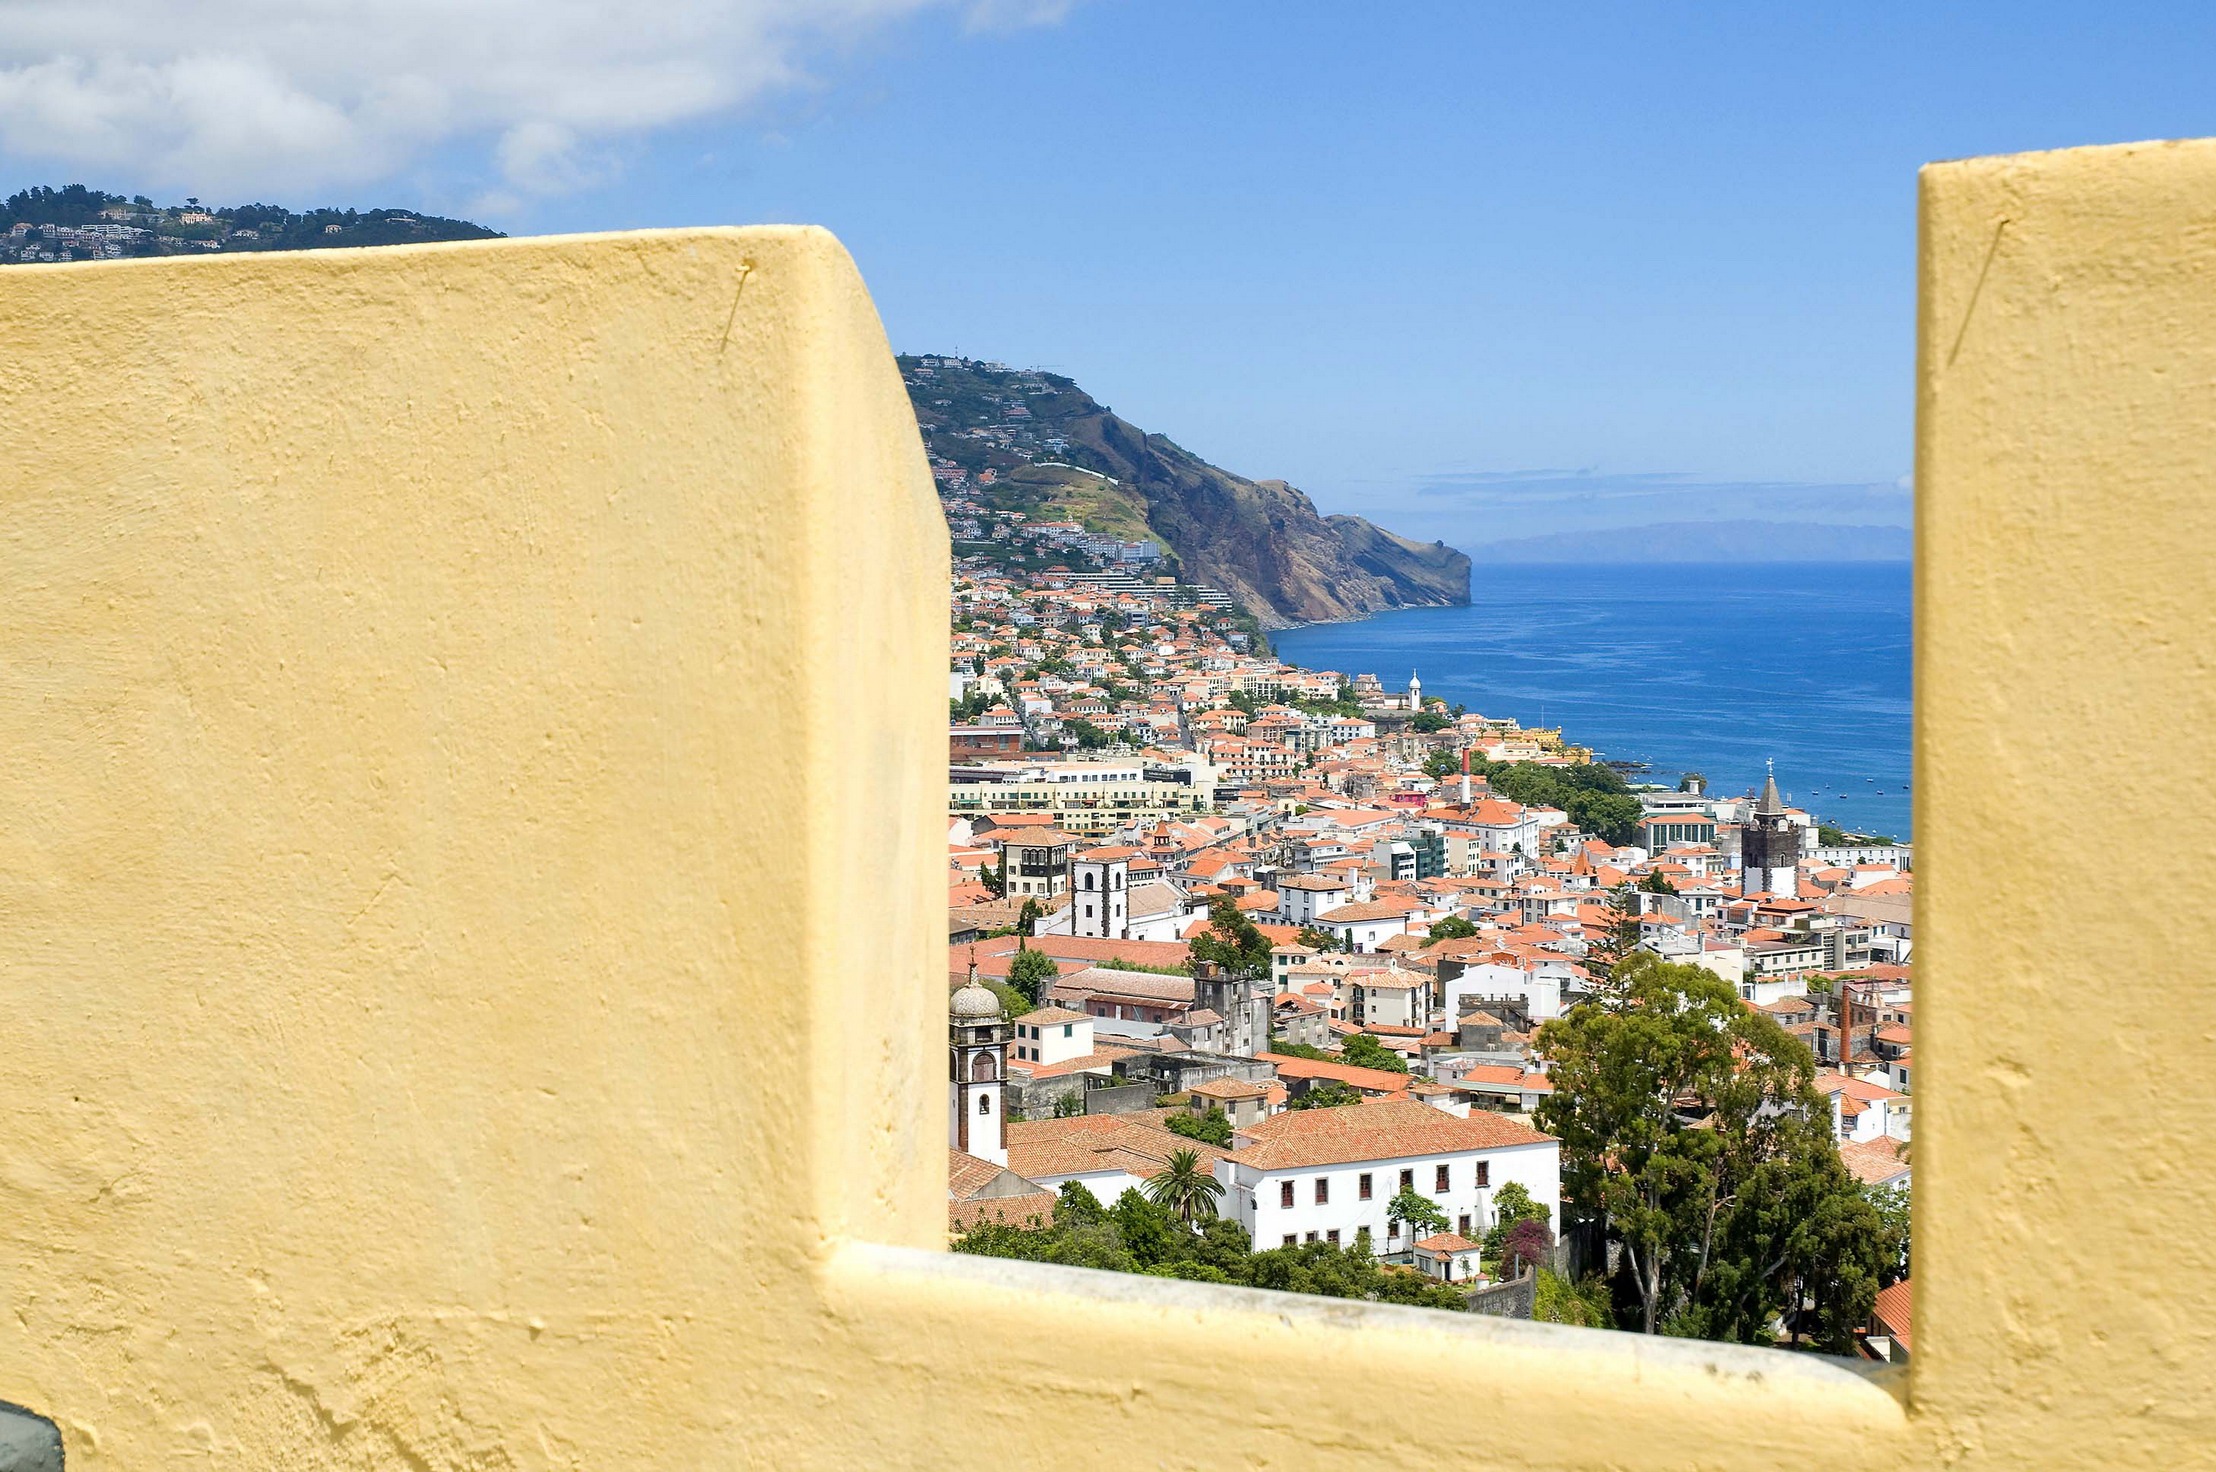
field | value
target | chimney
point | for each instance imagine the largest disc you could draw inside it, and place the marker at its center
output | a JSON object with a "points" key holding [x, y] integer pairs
{"points": [[1465, 776]]}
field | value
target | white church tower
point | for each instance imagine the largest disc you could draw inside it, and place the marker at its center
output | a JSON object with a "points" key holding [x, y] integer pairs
{"points": [[1100, 893], [1415, 692], [977, 1063]]}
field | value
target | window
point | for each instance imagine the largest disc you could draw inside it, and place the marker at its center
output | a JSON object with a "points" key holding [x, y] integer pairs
{"points": [[1332, 1236], [1462, 1225], [1311, 1236], [1362, 1186], [984, 1103], [1069, 1029], [1292, 1239], [1408, 1180], [1285, 1193], [1323, 1190], [1484, 1173], [1441, 1179]]}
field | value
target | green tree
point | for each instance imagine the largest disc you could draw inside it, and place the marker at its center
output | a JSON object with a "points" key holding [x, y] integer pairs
{"points": [[1441, 764], [1657, 882], [994, 877], [1454, 927], [1185, 1188], [1690, 1126], [1427, 721], [1329, 1095], [1212, 1128], [1069, 1105], [1891, 1205], [1291, 1049], [1029, 915], [1232, 942], [1512, 1204], [1317, 940], [1417, 1213], [1031, 973], [1586, 1304], [1360, 1050], [1619, 933]]}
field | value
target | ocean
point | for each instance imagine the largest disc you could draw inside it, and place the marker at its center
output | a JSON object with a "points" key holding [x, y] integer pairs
{"points": [[1714, 668]]}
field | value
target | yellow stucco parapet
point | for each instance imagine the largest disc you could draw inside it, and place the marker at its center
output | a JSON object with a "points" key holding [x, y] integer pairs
{"points": [[2066, 544], [440, 684], [439, 681]]}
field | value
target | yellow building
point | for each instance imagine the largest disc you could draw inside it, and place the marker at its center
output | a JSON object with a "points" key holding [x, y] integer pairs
{"points": [[421, 665]]}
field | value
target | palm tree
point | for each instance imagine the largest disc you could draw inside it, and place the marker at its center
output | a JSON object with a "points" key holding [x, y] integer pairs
{"points": [[1185, 1190]]}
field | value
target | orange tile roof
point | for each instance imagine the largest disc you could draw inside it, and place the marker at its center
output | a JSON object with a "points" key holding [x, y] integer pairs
{"points": [[1381, 1129], [1098, 1142]]}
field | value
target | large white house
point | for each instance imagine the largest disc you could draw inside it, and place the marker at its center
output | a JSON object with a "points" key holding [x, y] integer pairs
{"points": [[1312, 1175], [1303, 897]]}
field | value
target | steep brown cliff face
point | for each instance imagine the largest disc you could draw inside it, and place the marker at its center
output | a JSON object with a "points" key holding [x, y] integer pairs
{"points": [[1261, 542]]}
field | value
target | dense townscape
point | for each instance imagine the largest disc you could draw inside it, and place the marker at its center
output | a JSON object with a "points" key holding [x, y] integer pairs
{"points": [[1307, 980]]}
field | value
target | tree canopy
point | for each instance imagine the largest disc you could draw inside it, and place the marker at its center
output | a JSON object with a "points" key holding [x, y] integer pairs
{"points": [[1328, 1095], [1137, 1235], [1185, 1189], [1212, 1128], [1031, 973], [1360, 1050], [1594, 795], [1232, 942], [1691, 1128]]}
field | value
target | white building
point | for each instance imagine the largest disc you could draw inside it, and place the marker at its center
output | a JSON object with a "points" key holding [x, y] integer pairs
{"points": [[1538, 985], [1303, 897], [1312, 1175], [1053, 1035], [1364, 927], [1490, 825]]}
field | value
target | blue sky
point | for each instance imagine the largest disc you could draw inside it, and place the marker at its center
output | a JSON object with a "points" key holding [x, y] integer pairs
{"points": [[1474, 270]]}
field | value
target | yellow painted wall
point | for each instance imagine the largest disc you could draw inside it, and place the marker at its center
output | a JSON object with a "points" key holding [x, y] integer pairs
{"points": [[421, 668], [435, 685]]}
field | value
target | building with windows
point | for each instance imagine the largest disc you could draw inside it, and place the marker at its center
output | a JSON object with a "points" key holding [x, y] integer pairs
{"points": [[1035, 862], [1327, 1174]]}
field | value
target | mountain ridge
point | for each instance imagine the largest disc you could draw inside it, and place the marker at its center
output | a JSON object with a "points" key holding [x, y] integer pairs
{"points": [[1030, 440]]}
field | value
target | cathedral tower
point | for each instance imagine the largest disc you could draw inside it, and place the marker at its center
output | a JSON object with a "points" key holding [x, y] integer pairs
{"points": [[1769, 847]]}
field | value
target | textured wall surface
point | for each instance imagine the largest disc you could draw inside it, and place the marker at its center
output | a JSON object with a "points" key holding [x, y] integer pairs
{"points": [[436, 681], [2066, 724], [437, 684]]}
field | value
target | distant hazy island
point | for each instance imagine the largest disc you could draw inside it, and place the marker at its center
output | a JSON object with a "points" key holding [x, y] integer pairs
{"points": [[1708, 541]]}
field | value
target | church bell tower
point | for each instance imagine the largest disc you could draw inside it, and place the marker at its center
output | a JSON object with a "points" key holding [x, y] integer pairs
{"points": [[977, 1065], [1769, 848]]}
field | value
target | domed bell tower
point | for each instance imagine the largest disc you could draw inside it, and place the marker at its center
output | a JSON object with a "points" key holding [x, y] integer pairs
{"points": [[977, 1063]]}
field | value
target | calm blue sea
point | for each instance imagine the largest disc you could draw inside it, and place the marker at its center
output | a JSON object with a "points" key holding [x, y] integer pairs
{"points": [[1710, 668]]}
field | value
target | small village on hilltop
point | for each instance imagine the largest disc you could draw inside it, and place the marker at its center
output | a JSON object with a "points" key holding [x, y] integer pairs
{"points": [[1307, 979]]}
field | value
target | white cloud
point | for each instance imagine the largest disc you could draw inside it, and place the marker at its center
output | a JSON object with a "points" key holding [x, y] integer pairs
{"points": [[264, 96]]}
